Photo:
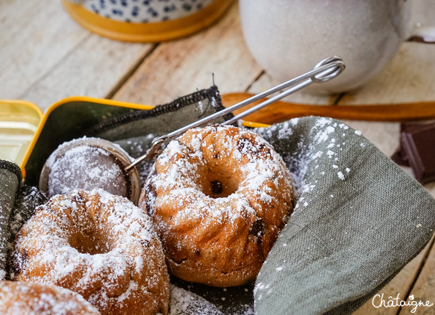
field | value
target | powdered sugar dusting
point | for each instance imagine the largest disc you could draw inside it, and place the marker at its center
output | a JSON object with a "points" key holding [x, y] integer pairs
{"points": [[183, 178], [31, 298], [93, 243], [184, 302], [86, 167], [214, 181], [326, 134]]}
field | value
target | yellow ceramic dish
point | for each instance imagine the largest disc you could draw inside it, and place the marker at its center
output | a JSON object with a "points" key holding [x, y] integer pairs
{"points": [[19, 120]]}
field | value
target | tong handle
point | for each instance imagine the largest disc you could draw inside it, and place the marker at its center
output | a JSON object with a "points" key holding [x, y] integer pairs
{"points": [[324, 71], [151, 152]]}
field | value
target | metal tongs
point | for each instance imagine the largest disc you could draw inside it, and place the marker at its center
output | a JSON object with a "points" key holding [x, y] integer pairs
{"points": [[324, 71]]}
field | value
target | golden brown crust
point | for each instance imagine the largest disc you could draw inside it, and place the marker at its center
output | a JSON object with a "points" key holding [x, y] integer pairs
{"points": [[98, 245], [219, 197], [27, 298]]}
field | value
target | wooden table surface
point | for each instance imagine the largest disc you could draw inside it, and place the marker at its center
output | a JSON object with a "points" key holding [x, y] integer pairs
{"points": [[45, 56]]}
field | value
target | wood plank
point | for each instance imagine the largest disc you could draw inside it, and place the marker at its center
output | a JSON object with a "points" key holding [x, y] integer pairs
{"points": [[14, 17], [182, 66], [398, 285], [30, 50], [431, 188], [424, 288], [410, 77], [50, 57], [95, 68], [385, 136]]}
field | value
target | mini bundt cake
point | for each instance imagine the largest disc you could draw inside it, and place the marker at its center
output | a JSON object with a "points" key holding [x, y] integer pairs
{"points": [[98, 245], [218, 197], [26, 298]]}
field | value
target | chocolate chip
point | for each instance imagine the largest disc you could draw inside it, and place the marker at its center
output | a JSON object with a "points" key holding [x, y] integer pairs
{"points": [[251, 148], [216, 187], [78, 199], [257, 229], [245, 145]]}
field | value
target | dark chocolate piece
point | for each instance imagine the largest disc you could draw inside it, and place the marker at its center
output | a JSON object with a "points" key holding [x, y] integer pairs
{"points": [[413, 126], [400, 158], [418, 144]]}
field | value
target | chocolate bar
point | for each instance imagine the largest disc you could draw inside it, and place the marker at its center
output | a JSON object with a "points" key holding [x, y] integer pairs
{"points": [[400, 158], [418, 150]]}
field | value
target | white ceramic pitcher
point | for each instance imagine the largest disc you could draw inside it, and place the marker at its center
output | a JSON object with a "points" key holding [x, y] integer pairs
{"points": [[287, 36]]}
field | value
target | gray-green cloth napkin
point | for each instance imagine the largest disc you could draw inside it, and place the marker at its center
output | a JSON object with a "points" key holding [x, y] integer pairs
{"points": [[27, 200], [358, 220], [17, 205], [10, 180]]}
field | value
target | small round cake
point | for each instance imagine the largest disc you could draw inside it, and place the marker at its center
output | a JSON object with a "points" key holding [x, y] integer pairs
{"points": [[219, 197], [86, 167], [98, 245], [26, 298], [90, 163]]}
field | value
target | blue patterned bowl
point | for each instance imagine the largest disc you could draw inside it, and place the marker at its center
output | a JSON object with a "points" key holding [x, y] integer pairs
{"points": [[145, 20]]}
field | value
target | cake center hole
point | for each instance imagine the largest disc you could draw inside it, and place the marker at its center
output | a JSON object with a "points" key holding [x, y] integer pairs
{"points": [[89, 244], [216, 187], [221, 188]]}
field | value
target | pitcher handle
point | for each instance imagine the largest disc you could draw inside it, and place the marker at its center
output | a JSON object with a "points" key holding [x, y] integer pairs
{"points": [[422, 34]]}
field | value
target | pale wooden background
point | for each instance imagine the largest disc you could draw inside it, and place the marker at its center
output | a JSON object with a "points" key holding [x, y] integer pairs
{"points": [[45, 56]]}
